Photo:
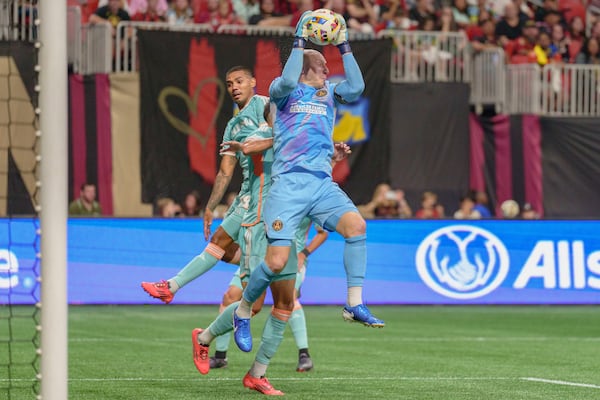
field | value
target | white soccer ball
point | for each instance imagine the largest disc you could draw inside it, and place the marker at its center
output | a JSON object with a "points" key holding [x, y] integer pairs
{"points": [[510, 208], [323, 27]]}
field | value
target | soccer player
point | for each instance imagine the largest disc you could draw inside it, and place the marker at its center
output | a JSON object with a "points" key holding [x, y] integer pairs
{"points": [[297, 320], [253, 245], [241, 84], [302, 186]]}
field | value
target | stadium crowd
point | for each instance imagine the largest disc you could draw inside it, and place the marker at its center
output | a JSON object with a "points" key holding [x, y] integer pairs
{"points": [[541, 32]]}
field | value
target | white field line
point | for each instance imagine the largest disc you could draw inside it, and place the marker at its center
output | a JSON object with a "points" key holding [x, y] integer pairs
{"points": [[394, 339], [304, 379], [564, 383]]}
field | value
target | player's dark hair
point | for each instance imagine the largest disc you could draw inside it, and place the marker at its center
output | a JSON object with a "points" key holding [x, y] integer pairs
{"points": [[240, 68], [85, 184]]}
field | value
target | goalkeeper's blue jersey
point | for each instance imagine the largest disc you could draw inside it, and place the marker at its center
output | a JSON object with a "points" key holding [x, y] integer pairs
{"points": [[303, 130]]}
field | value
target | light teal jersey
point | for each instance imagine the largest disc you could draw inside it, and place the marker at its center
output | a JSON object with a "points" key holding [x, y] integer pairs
{"points": [[259, 177], [239, 127]]}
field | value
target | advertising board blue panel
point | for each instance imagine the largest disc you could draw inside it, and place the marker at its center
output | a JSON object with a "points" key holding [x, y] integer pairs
{"points": [[409, 262]]}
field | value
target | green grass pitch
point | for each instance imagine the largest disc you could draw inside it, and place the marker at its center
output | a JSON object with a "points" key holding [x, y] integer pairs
{"points": [[509, 353], [424, 352]]}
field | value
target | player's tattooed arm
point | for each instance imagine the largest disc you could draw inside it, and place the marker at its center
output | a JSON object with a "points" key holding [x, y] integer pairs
{"points": [[222, 181]]}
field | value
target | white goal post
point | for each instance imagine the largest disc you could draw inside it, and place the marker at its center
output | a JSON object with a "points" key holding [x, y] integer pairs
{"points": [[53, 117]]}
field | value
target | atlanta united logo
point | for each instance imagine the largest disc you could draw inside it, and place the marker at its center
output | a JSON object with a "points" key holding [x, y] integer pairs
{"points": [[321, 93], [462, 262], [277, 225]]}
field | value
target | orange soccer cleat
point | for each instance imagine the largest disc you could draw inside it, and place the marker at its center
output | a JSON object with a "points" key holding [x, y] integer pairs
{"points": [[200, 352], [159, 290], [261, 385]]}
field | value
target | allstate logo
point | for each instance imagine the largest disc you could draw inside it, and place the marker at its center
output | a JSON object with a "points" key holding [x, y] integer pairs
{"points": [[462, 261]]}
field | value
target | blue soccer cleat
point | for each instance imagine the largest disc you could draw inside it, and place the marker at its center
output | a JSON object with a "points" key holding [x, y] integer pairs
{"points": [[241, 333], [361, 313]]}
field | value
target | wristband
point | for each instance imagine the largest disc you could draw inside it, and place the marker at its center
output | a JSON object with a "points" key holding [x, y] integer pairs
{"points": [[344, 48], [305, 251], [299, 42]]}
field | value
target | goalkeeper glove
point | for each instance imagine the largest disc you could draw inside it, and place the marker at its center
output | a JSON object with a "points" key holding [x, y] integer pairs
{"points": [[302, 29], [342, 38], [302, 25]]}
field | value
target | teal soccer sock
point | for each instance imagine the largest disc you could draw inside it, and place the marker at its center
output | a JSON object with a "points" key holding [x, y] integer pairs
{"points": [[260, 279], [355, 260], [297, 324], [272, 335]]}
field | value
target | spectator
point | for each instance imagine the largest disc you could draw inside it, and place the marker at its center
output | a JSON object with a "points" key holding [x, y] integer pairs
{"points": [[460, 14], [141, 7], [301, 7], [363, 15], [595, 31], [399, 21], [560, 44], [244, 9], [481, 203], [543, 51], [521, 50], [576, 35], [553, 18], [151, 13], [510, 26], [447, 22], [192, 206], [589, 53], [267, 10], [111, 14], [430, 209], [386, 203], [422, 11], [487, 38], [529, 212], [547, 7], [466, 209], [167, 208], [387, 13], [525, 13], [86, 204], [180, 12]]}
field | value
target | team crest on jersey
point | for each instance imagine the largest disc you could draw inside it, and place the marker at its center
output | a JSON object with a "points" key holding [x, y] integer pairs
{"points": [[277, 225], [321, 93]]}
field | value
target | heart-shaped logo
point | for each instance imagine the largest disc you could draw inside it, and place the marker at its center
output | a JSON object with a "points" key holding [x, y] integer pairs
{"points": [[192, 105]]}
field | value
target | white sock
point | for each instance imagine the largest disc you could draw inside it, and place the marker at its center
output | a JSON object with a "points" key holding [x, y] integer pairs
{"points": [[244, 310], [354, 296], [173, 286], [205, 337], [258, 370]]}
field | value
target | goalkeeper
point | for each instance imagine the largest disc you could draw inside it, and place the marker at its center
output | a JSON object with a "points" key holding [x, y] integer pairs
{"points": [[302, 186]]}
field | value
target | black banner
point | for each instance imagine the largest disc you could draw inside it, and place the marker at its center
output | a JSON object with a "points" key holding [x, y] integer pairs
{"points": [[430, 141], [571, 178]]}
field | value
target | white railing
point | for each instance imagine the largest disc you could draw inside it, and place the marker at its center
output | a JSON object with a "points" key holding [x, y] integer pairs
{"points": [[256, 30], [488, 86], [523, 89], [74, 37], [570, 90], [18, 20], [96, 49], [126, 50], [430, 56]]}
